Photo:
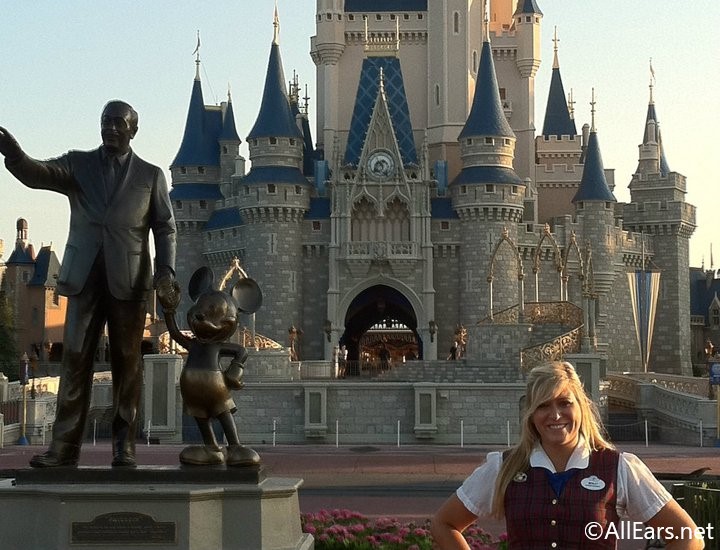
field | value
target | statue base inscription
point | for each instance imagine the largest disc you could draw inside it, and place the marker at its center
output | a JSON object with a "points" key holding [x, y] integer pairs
{"points": [[123, 528], [115, 515]]}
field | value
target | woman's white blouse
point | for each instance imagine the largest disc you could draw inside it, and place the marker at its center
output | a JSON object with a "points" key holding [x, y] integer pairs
{"points": [[639, 495]]}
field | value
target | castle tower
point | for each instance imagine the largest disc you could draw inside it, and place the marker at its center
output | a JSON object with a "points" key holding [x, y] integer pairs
{"points": [[454, 41], [229, 143], [381, 254], [595, 209], [488, 198], [273, 200], [526, 19], [326, 47], [558, 150], [196, 176], [19, 269], [658, 208]]}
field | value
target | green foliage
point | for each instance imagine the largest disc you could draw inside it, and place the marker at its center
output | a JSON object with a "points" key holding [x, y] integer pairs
{"points": [[9, 356], [702, 502], [343, 529]]}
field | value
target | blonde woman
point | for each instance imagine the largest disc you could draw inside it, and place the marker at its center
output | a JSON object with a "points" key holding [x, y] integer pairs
{"points": [[564, 485]]}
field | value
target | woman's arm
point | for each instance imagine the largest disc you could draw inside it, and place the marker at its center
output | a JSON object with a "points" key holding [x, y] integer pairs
{"points": [[449, 522], [673, 524]]}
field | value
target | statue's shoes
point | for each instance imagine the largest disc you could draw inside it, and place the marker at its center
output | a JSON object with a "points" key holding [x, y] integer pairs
{"points": [[202, 455], [51, 459], [239, 455], [124, 460]]}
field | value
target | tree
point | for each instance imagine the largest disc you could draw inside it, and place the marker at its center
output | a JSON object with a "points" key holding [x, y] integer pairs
{"points": [[9, 357]]}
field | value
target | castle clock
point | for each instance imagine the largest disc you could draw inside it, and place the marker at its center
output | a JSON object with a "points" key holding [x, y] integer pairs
{"points": [[381, 165]]}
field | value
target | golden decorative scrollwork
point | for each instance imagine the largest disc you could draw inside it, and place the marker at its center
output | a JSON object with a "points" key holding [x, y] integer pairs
{"points": [[261, 342], [553, 350]]}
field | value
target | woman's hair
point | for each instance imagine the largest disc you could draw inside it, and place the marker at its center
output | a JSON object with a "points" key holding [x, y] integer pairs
{"points": [[544, 382]]}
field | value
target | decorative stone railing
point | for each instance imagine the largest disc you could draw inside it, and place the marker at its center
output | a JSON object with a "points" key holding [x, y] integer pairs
{"points": [[677, 400], [378, 250]]}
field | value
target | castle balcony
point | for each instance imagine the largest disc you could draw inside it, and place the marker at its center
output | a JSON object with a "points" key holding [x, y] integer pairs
{"points": [[379, 250]]}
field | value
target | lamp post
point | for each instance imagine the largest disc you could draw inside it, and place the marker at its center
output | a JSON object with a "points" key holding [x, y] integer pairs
{"points": [[24, 380], [33, 369]]}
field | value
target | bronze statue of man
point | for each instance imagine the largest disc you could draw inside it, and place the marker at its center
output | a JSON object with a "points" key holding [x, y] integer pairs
{"points": [[116, 199]]}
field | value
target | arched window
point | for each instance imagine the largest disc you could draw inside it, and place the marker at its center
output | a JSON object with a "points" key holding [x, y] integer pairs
{"points": [[456, 22]]}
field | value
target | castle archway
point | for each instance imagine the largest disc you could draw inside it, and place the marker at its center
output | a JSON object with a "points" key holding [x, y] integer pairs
{"points": [[381, 326]]}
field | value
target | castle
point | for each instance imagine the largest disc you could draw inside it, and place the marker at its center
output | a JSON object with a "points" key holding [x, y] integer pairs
{"points": [[429, 202]]}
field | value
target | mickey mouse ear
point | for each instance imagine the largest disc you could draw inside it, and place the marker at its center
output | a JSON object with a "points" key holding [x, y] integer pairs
{"points": [[200, 282], [247, 295]]}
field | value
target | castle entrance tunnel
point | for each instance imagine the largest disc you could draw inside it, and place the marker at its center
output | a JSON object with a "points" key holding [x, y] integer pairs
{"points": [[380, 329]]}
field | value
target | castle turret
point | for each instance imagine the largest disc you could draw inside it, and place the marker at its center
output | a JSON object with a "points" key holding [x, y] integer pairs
{"points": [[488, 198], [196, 179], [229, 142], [527, 22], [658, 208], [273, 200], [326, 47], [595, 211], [558, 150]]}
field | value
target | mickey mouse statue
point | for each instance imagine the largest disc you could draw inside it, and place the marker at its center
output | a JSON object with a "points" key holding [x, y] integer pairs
{"points": [[204, 385]]}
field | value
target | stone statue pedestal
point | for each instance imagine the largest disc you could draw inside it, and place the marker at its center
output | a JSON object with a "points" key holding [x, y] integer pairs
{"points": [[158, 508]]}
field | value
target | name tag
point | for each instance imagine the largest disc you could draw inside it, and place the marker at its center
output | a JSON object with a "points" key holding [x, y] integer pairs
{"points": [[593, 483]]}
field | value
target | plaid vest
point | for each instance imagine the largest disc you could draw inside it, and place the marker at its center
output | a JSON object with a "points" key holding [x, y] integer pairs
{"points": [[538, 518]]}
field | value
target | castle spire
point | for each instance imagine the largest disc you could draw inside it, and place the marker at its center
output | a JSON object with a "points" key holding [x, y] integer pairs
{"points": [[593, 185], [229, 130], [652, 153], [558, 113], [487, 117], [275, 118]]}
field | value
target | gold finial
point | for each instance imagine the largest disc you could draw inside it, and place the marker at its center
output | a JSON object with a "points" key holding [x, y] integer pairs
{"points": [[276, 26], [306, 99], [486, 22], [196, 53], [556, 40], [592, 112], [571, 104], [652, 81]]}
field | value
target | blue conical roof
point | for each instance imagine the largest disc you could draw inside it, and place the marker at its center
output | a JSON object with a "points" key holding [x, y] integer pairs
{"points": [[527, 6], [275, 118], [557, 116], [593, 185], [308, 149], [229, 132], [487, 117], [657, 137], [199, 145]]}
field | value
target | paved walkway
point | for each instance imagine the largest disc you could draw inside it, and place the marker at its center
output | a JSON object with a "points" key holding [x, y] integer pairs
{"points": [[408, 482]]}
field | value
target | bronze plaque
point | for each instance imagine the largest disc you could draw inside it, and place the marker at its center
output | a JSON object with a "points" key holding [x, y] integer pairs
{"points": [[123, 528]]}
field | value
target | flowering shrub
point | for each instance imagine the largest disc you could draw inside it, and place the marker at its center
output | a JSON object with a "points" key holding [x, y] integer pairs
{"points": [[334, 529]]}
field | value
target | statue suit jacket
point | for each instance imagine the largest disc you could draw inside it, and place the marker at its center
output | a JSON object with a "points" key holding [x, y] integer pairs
{"points": [[117, 226]]}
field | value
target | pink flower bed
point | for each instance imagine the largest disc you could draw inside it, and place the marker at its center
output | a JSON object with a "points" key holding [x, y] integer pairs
{"points": [[333, 529]]}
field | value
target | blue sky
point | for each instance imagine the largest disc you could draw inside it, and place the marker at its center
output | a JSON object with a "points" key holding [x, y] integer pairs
{"points": [[62, 61]]}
